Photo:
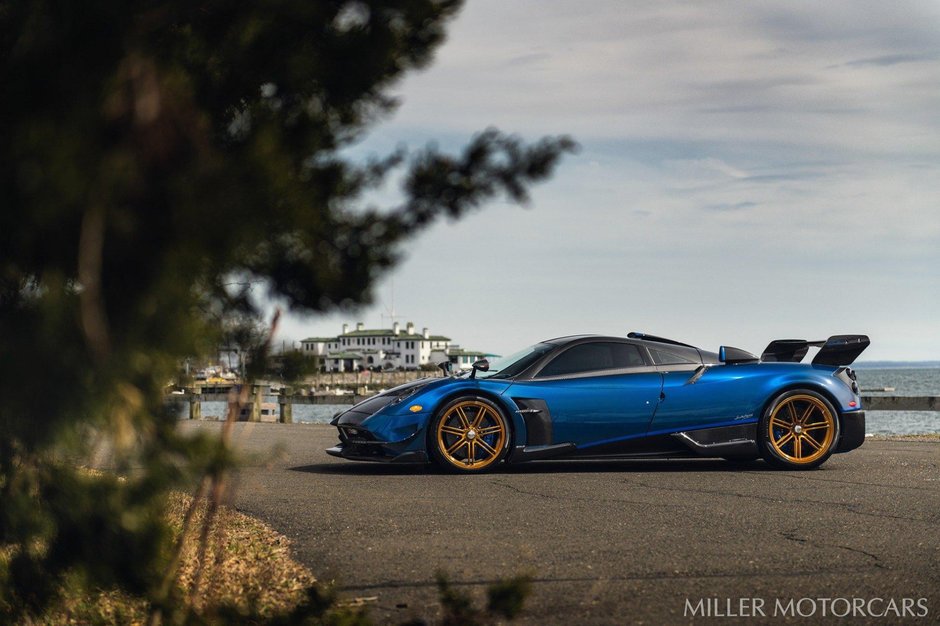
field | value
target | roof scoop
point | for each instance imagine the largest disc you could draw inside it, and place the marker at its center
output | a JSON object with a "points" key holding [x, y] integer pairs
{"points": [[731, 356]]}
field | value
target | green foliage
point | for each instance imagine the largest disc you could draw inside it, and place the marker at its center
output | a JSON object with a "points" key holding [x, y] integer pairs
{"points": [[458, 607], [243, 333], [159, 161], [293, 366], [507, 597], [505, 600]]}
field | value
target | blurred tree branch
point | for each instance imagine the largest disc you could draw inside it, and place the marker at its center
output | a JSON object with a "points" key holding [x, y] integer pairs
{"points": [[154, 154]]}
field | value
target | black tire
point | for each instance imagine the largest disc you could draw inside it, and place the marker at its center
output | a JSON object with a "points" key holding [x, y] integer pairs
{"points": [[799, 430], [469, 435]]}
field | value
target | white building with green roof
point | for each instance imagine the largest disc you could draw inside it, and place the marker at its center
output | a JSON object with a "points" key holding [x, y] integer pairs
{"points": [[387, 348]]}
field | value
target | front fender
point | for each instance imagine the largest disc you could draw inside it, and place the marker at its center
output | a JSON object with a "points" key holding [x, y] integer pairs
{"points": [[407, 422]]}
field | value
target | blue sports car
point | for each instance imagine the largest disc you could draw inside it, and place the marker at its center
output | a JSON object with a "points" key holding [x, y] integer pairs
{"points": [[591, 396]]}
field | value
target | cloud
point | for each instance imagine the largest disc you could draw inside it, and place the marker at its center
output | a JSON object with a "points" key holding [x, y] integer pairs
{"points": [[527, 59], [894, 59], [725, 206], [808, 132], [709, 164], [709, 71]]}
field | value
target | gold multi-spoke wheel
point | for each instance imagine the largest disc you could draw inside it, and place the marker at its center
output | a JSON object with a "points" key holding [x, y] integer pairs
{"points": [[470, 434], [800, 429]]}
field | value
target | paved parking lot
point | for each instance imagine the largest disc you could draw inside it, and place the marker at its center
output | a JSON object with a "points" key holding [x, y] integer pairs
{"points": [[609, 542]]}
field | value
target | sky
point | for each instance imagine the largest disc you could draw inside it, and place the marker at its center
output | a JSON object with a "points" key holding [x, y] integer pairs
{"points": [[747, 171]]}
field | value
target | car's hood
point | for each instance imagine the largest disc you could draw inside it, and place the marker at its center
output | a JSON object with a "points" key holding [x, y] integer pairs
{"points": [[372, 405]]}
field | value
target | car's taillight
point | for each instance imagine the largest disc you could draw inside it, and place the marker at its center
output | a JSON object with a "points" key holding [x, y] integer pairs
{"points": [[847, 375]]}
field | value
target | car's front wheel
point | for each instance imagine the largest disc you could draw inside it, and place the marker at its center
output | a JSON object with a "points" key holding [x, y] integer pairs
{"points": [[798, 430], [469, 434]]}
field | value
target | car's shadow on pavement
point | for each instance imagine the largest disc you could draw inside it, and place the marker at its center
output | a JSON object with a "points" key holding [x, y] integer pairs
{"points": [[353, 468]]}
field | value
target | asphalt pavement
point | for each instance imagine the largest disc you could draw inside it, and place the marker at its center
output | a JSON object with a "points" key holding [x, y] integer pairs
{"points": [[613, 542]]}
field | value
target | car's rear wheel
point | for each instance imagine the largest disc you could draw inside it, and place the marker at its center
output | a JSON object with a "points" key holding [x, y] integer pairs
{"points": [[798, 430], [469, 434]]}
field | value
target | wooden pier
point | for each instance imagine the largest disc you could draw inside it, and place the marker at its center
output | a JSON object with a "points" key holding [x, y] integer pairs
{"points": [[901, 403]]}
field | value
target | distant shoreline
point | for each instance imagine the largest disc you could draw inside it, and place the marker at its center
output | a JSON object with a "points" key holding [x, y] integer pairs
{"points": [[896, 365]]}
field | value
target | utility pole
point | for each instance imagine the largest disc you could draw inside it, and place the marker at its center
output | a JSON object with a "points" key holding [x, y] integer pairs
{"points": [[391, 314]]}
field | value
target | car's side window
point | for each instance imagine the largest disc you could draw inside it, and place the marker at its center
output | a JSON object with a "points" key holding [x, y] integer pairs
{"points": [[663, 357], [589, 357]]}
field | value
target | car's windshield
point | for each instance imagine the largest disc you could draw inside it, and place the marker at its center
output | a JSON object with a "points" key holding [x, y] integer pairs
{"points": [[509, 366]]}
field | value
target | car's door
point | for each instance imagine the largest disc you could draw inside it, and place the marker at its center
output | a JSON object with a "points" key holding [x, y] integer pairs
{"points": [[693, 398], [596, 392]]}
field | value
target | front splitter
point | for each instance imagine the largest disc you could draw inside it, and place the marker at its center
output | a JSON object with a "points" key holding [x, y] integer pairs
{"points": [[375, 453]]}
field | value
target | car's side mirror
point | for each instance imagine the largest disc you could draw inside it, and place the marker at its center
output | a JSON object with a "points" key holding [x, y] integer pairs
{"points": [[446, 367], [482, 365]]}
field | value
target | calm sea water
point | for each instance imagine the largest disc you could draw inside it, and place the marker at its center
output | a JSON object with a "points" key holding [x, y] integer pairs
{"points": [[906, 382]]}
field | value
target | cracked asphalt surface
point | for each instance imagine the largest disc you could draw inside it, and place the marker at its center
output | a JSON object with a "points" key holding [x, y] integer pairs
{"points": [[606, 542]]}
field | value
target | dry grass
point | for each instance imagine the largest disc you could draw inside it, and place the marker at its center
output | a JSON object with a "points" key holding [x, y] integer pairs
{"points": [[247, 566], [247, 562]]}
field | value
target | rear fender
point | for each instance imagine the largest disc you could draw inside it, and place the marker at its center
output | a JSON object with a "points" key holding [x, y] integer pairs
{"points": [[831, 387], [753, 386]]}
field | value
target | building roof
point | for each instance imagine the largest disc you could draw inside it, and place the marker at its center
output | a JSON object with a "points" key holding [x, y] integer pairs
{"points": [[398, 337], [462, 352], [387, 332], [378, 332], [344, 355], [370, 333]]}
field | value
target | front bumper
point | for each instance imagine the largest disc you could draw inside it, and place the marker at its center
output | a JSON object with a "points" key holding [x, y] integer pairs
{"points": [[366, 433], [375, 452], [852, 434]]}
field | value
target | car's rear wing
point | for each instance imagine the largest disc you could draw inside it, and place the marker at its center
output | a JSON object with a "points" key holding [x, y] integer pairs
{"points": [[837, 350]]}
